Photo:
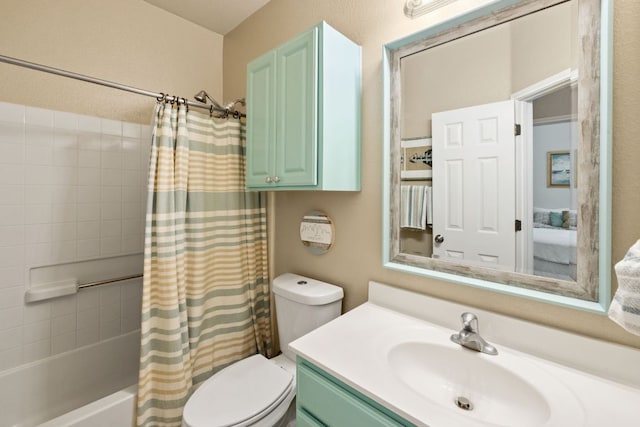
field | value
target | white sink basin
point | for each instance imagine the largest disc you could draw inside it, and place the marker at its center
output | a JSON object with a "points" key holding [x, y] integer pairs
{"points": [[501, 390], [405, 362]]}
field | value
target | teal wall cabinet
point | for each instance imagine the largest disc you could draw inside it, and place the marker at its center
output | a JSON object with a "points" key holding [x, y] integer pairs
{"points": [[303, 114], [322, 400]]}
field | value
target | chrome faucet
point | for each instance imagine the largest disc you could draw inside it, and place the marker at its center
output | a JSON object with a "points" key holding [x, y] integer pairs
{"points": [[469, 336]]}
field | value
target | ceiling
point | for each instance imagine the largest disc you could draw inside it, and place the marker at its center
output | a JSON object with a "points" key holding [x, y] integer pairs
{"points": [[220, 16]]}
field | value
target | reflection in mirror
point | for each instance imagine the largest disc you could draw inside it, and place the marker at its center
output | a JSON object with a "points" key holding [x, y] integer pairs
{"points": [[494, 147], [554, 196]]}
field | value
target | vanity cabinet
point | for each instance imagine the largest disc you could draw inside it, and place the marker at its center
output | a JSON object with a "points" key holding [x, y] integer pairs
{"points": [[303, 114], [322, 400]]}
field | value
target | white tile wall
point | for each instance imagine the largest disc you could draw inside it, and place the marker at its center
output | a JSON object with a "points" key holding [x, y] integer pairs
{"points": [[72, 187]]}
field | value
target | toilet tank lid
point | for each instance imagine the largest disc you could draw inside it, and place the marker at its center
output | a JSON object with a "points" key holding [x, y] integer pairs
{"points": [[305, 290]]}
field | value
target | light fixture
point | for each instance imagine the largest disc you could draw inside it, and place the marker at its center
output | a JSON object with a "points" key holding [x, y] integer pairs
{"points": [[415, 8]]}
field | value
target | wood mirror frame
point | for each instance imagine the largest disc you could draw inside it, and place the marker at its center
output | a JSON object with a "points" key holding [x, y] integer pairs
{"points": [[591, 290]]}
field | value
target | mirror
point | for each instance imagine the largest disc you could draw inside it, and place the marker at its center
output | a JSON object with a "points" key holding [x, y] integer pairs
{"points": [[497, 151]]}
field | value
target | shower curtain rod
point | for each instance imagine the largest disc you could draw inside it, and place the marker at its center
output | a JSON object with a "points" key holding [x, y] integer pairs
{"points": [[107, 83]]}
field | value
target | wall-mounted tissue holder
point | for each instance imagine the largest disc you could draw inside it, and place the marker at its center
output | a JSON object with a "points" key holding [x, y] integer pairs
{"points": [[53, 281], [317, 232]]}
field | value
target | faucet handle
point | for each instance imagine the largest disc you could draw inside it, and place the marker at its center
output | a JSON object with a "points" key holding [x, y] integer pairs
{"points": [[469, 322]]}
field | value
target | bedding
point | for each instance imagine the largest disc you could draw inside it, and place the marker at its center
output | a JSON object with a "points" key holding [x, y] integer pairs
{"points": [[555, 245], [554, 251]]}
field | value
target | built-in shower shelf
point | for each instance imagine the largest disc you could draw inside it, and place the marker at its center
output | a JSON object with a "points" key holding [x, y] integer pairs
{"points": [[51, 290], [58, 280]]}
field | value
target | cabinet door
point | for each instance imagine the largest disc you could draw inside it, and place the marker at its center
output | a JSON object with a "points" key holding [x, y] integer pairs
{"points": [[305, 420], [297, 94], [261, 129], [319, 399]]}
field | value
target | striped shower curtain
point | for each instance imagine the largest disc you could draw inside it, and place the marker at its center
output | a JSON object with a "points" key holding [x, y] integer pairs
{"points": [[206, 290]]}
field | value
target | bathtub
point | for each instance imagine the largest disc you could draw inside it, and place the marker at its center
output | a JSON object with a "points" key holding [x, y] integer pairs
{"points": [[117, 409], [91, 386]]}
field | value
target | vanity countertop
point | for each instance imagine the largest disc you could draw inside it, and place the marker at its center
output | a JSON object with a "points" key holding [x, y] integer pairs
{"points": [[354, 348]]}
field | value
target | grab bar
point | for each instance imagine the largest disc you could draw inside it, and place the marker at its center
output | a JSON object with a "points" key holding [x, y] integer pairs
{"points": [[107, 281], [67, 287]]}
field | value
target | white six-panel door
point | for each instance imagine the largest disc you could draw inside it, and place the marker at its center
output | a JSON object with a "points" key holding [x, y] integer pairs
{"points": [[474, 185]]}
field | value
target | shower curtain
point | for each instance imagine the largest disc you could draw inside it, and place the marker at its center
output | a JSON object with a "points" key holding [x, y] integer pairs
{"points": [[206, 290]]}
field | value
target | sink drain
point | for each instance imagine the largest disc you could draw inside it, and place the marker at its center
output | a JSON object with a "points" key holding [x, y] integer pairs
{"points": [[463, 403]]}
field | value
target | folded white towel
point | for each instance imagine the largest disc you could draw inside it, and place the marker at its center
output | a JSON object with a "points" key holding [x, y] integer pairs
{"points": [[413, 206], [625, 307]]}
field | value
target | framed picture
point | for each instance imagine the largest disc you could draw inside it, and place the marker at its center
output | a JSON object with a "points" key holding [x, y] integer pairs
{"points": [[558, 169], [416, 159]]}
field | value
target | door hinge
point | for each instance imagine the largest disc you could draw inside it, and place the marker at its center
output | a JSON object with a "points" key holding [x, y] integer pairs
{"points": [[518, 225], [517, 129]]}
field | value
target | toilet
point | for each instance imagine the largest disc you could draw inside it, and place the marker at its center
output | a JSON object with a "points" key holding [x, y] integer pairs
{"points": [[257, 391]]}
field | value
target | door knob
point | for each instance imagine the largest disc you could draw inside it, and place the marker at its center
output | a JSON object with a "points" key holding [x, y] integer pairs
{"points": [[439, 238]]}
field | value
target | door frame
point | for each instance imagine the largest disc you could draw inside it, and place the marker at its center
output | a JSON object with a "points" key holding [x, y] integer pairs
{"points": [[524, 160]]}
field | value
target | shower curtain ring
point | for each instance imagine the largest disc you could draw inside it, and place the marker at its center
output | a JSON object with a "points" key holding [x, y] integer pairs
{"points": [[162, 97], [211, 111]]}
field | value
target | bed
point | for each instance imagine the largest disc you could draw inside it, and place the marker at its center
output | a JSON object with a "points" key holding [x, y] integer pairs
{"points": [[554, 247]]}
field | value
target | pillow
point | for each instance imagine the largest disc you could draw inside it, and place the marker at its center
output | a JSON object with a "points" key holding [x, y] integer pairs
{"points": [[541, 216], [555, 218], [565, 219]]}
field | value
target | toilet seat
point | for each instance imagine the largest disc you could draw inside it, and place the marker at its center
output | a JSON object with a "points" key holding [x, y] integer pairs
{"points": [[239, 395]]}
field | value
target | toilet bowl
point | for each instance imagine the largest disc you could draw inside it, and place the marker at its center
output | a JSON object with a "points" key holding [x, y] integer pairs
{"points": [[252, 392], [257, 391]]}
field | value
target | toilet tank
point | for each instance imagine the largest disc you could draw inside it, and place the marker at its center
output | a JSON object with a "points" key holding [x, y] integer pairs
{"points": [[302, 305]]}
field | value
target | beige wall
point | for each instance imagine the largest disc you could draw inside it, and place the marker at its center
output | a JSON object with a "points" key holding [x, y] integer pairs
{"points": [[488, 66], [126, 41], [356, 256], [544, 44], [470, 71]]}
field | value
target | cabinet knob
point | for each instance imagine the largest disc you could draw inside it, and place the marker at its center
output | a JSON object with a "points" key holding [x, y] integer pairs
{"points": [[276, 179], [267, 179]]}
